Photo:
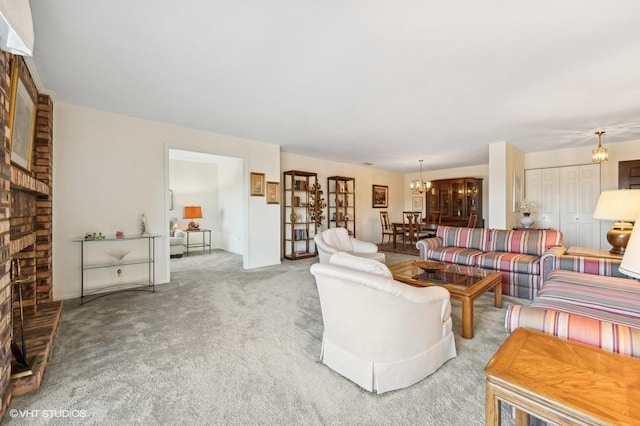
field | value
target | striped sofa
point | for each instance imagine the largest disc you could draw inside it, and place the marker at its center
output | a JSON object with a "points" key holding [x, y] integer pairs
{"points": [[578, 263], [519, 255], [601, 311]]}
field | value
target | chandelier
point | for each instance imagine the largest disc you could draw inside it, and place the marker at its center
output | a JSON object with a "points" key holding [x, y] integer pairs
{"points": [[419, 185], [599, 154]]}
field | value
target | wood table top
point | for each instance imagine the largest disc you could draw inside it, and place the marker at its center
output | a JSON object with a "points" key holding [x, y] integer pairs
{"points": [[578, 378]]}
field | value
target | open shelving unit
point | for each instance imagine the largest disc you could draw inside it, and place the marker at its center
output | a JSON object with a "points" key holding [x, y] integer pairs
{"points": [[341, 203], [298, 214]]}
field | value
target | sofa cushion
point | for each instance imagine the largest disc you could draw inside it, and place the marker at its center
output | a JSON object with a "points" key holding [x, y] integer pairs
{"points": [[454, 236], [534, 242], [504, 261], [369, 265], [457, 255], [605, 298]]}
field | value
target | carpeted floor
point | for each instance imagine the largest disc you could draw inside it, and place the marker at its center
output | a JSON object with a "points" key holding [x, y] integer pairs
{"points": [[224, 346]]}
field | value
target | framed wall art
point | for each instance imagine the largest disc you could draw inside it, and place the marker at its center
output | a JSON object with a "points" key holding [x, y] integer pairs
{"points": [[257, 184], [380, 197], [416, 204], [273, 192], [22, 118], [517, 190]]}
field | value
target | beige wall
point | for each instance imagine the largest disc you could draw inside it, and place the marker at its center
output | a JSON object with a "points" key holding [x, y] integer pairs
{"points": [[110, 168]]}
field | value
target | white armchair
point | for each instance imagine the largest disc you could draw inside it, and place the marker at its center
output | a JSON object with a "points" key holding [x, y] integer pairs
{"points": [[176, 239], [333, 240], [378, 332]]}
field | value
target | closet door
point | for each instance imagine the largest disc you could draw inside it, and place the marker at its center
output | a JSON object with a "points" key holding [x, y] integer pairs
{"points": [[579, 191], [543, 188], [550, 205], [589, 194]]}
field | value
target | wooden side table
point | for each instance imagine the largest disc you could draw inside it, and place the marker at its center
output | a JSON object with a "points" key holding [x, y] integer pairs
{"points": [[593, 252], [562, 382]]}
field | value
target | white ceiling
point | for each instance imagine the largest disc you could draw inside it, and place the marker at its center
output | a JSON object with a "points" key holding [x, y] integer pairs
{"points": [[379, 81]]}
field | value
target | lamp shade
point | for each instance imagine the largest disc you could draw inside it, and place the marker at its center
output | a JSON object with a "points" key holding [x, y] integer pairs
{"points": [[16, 27], [631, 260], [619, 204], [192, 212]]}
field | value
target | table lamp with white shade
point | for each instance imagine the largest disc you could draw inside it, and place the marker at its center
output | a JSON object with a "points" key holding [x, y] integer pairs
{"points": [[631, 260], [623, 206]]}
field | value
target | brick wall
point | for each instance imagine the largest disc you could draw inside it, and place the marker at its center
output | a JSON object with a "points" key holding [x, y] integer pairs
{"points": [[5, 205], [25, 215]]}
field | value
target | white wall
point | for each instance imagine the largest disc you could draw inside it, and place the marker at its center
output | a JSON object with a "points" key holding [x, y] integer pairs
{"points": [[195, 184], [109, 168], [368, 226]]}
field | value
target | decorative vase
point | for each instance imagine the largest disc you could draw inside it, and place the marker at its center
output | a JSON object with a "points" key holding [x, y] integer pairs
{"points": [[293, 217], [526, 221]]}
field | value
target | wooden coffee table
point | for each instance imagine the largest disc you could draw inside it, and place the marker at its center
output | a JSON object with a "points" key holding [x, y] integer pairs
{"points": [[464, 283]]}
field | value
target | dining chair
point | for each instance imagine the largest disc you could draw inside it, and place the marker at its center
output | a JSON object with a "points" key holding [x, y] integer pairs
{"points": [[436, 217], [473, 218], [413, 230], [387, 227]]}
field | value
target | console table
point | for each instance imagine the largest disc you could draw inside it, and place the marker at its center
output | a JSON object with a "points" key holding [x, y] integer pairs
{"points": [[562, 382], [116, 265], [204, 244]]}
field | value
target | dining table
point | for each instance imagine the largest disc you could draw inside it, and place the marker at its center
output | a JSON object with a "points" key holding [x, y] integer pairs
{"points": [[430, 228]]}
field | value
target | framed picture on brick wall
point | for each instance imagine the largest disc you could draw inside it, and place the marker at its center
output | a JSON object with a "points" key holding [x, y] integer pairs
{"points": [[22, 119]]}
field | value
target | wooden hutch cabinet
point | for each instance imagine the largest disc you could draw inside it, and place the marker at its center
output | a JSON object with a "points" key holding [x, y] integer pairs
{"points": [[454, 200], [341, 206]]}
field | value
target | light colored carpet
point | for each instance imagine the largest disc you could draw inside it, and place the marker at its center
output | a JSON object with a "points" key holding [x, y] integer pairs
{"points": [[224, 346]]}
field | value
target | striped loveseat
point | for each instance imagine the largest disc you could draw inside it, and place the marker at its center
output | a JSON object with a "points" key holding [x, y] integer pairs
{"points": [[519, 255], [602, 311]]}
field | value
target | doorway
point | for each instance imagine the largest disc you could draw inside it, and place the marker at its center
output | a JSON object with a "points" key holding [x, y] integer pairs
{"points": [[213, 183]]}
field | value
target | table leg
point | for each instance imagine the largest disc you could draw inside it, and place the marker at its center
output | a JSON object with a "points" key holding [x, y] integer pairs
{"points": [[497, 294], [394, 237], [467, 318], [492, 411]]}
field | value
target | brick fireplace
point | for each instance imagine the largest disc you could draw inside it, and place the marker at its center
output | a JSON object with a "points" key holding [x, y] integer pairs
{"points": [[25, 218]]}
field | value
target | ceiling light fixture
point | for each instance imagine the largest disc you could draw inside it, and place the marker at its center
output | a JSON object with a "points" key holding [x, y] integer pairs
{"points": [[599, 154], [419, 185]]}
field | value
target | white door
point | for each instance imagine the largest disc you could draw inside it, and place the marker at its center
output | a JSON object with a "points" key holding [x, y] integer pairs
{"points": [[589, 230], [570, 205], [550, 205], [579, 192]]}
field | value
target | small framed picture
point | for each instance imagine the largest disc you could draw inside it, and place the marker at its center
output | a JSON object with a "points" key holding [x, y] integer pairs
{"points": [[416, 204], [380, 197], [257, 184], [273, 192]]}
